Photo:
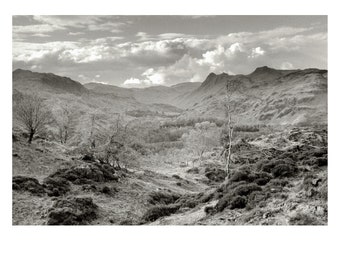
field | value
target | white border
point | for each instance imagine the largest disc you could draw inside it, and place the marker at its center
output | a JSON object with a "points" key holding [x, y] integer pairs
{"points": [[168, 247]]}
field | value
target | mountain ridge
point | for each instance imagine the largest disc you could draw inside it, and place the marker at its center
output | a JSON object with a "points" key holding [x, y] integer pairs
{"points": [[266, 95]]}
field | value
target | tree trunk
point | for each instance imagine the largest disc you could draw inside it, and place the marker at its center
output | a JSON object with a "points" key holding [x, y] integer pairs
{"points": [[30, 138], [229, 154], [230, 133]]}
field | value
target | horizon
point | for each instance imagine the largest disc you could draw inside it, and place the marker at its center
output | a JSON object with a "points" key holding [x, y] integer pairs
{"points": [[155, 85], [141, 51]]}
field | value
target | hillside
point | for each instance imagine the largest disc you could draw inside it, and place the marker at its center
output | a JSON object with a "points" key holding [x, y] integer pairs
{"points": [[149, 95], [28, 81], [265, 96], [157, 156]]}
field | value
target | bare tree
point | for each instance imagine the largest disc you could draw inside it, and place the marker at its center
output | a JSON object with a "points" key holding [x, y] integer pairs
{"points": [[231, 87], [116, 151], [201, 139], [64, 120], [33, 115], [92, 138]]}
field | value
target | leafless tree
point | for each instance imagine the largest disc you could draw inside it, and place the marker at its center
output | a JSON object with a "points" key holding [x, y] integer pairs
{"points": [[116, 151], [201, 139], [33, 115], [231, 87], [64, 120]]}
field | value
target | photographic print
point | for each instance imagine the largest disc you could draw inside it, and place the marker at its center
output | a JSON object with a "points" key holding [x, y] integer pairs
{"points": [[169, 120]]}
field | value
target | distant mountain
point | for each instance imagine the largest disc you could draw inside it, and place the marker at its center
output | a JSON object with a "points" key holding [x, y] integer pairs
{"points": [[265, 96], [149, 95], [28, 81]]}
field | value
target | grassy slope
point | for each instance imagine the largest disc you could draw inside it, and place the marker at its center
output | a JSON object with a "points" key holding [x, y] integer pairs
{"points": [[129, 201]]}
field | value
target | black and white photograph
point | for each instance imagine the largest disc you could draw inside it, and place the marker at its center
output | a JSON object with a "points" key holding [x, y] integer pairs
{"points": [[169, 135], [169, 120]]}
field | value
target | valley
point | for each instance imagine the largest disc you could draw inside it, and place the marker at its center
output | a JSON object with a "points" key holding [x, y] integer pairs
{"points": [[156, 155]]}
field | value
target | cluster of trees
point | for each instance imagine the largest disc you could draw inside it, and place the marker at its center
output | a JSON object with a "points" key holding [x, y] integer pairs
{"points": [[191, 122], [202, 138], [33, 115]]}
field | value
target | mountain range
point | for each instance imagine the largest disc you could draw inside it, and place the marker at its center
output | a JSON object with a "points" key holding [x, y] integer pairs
{"points": [[265, 96]]}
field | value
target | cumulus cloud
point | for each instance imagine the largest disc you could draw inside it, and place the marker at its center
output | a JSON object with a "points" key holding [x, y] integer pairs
{"points": [[158, 58], [256, 52], [33, 52], [132, 82], [287, 65]]}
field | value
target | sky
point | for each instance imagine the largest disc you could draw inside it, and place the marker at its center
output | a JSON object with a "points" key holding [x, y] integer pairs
{"points": [[142, 51]]}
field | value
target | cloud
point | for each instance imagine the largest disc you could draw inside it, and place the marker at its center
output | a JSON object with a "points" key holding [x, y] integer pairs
{"points": [[21, 32], [287, 65], [76, 33], [143, 36], [90, 23], [35, 52], [133, 82], [256, 52], [234, 53], [144, 59], [150, 77]]}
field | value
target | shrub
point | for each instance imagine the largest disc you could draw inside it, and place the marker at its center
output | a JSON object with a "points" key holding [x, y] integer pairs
{"points": [[208, 209], [106, 190], [56, 187], [246, 189], [261, 181], [279, 182], [194, 170], [189, 200], [303, 219], [239, 176], [86, 173], [215, 174], [160, 197], [29, 184], [158, 211], [257, 199], [321, 161], [223, 202], [72, 211], [238, 202], [283, 170], [246, 128], [279, 167]]}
